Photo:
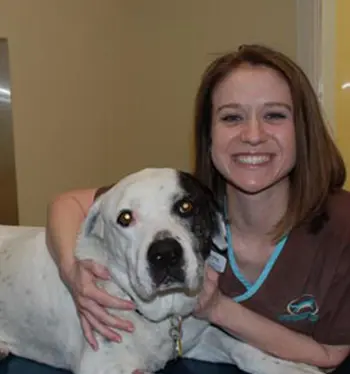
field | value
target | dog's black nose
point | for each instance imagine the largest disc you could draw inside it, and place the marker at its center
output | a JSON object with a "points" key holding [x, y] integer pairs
{"points": [[166, 259], [165, 253]]}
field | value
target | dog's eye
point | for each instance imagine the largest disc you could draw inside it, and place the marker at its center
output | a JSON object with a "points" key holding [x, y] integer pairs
{"points": [[125, 218], [185, 207]]}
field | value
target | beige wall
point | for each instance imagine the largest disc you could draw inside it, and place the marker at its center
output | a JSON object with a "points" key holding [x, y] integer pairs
{"points": [[102, 88]]}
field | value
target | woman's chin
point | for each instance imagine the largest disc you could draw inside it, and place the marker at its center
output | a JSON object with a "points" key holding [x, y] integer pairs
{"points": [[254, 187]]}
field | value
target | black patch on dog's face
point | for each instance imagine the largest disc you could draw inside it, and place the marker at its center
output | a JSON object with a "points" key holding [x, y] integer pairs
{"points": [[203, 216]]}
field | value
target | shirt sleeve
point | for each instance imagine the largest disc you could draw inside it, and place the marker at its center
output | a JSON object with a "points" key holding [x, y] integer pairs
{"points": [[333, 327]]}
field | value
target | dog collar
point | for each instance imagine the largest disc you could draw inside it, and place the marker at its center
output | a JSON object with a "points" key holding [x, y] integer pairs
{"points": [[175, 333]]}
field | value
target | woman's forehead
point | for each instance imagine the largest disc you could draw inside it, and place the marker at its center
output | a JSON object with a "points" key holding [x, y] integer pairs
{"points": [[252, 84]]}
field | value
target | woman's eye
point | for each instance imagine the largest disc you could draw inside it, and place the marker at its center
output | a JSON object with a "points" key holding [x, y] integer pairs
{"points": [[275, 116], [232, 118]]}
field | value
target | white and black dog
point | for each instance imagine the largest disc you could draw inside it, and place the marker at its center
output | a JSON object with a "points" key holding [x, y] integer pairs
{"points": [[154, 231]]}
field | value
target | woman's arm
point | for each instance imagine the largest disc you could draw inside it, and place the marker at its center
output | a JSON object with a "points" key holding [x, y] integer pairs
{"points": [[262, 333], [65, 215], [275, 339]]}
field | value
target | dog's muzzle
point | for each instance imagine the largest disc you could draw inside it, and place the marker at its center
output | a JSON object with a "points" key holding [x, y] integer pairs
{"points": [[166, 261]]}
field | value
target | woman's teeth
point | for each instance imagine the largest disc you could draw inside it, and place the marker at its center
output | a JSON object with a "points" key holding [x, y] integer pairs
{"points": [[253, 160]]}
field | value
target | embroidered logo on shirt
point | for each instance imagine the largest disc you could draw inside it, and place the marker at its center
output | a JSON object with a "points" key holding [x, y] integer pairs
{"points": [[301, 309]]}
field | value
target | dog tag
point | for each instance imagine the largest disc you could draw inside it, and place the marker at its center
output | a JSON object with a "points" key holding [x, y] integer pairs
{"points": [[176, 334], [217, 261]]}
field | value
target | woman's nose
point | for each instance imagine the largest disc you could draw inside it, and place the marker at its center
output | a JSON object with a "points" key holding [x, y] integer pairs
{"points": [[253, 132]]}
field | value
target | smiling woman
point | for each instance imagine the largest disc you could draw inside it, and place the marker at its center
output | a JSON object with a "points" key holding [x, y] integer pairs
{"points": [[279, 176]]}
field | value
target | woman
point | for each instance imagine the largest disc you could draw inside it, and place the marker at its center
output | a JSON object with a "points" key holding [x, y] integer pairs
{"points": [[279, 176]]}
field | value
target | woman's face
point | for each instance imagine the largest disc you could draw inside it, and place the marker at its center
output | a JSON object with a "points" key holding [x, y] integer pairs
{"points": [[253, 133]]}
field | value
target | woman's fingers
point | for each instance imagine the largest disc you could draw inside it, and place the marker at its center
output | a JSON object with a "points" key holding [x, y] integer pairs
{"points": [[211, 274], [88, 333], [88, 288], [101, 328], [104, 317], [90, 291], [96, 269], [93, 303]]}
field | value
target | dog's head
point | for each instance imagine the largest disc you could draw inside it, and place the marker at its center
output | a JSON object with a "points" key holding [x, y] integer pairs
{"points": [[158, 225]]}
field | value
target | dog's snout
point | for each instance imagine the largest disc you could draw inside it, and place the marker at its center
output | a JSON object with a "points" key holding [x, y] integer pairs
{"points": [[165, 253], [166, 259]]}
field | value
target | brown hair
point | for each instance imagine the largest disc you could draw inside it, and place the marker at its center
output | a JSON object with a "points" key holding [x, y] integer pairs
{"points": [[319, 168]]}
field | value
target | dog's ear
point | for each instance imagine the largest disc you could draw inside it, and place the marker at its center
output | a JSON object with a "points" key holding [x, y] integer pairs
{"points": [[219, 238], [93, 224], [216, 214], [214, 223]]}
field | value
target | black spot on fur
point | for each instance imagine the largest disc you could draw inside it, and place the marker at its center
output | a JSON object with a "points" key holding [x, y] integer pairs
{"points": [[204, 220]]}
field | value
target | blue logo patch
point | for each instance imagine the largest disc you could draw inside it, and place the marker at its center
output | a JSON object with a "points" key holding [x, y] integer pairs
{"points": [[300, 309]]}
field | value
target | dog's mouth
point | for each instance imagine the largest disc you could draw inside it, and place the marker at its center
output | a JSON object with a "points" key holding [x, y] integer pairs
{"points": [[168, 277]]}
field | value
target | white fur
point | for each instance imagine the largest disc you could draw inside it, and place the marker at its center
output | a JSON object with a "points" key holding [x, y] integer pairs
{"points": [[38, 318]]}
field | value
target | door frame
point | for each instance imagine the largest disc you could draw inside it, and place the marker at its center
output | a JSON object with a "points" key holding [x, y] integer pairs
{"points": [[316, 35]]}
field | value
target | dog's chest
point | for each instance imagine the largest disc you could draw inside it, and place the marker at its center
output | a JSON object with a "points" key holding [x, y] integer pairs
{"points": [[155, 340]]}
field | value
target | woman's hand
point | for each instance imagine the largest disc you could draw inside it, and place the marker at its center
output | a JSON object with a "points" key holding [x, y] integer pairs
{"points": [[92, 301], [209, 297]]}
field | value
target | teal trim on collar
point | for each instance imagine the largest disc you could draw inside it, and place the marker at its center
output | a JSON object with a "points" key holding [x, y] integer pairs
{"points": [[251, 288], [264, 274]]}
